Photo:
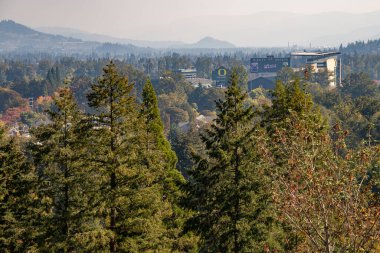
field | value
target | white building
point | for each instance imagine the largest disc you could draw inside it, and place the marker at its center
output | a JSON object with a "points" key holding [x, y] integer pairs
{"points": [[320, 62]]}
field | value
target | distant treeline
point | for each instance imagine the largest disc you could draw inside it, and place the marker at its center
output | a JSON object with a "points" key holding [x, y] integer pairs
{"points": [[269, 177], [178, 100], [362, 47]]}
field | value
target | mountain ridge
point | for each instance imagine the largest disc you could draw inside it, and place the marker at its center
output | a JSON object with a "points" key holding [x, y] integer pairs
{"points": [[273, 29], [15, 37], [205, 42], [86, 36]]}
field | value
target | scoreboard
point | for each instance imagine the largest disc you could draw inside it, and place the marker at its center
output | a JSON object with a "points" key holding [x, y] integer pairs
{"points": [[221, 76], [268, 64]]}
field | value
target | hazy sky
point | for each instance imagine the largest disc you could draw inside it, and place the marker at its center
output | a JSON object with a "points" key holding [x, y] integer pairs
{"points": [[129, 18]]}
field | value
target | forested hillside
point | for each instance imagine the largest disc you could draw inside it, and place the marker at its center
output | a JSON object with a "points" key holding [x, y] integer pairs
{"points": [[295, 169], [362, 47], [362, 56], [128, 155], [189, 126]]}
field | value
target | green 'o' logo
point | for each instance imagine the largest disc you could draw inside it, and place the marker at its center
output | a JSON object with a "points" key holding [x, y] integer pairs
{"points": [[222, 72]]}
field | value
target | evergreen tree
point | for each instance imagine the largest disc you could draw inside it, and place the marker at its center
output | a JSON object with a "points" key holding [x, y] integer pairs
{"points": [[129, 197], [156, 143], [54, 79], [227, 188], [154, 126], [162, 160], [288, 100], [290, 97], [17, 198], [185, 143], [57, 76], [59, 155]]}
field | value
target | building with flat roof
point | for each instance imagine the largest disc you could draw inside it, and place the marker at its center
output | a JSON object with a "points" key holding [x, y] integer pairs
{"points": [[263, 71], [270, 64], [263, 82], [204, 82], [187, 73], [329, 62]]}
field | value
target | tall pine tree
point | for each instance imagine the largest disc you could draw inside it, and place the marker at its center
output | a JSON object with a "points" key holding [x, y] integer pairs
{"points": [[227, 188], [18, 198], [59, 155], [129, 197], [161, 159]]}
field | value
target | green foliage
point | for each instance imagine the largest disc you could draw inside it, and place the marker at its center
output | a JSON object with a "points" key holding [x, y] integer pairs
{"points": [[286, 74], [155, 138], [204, 67], [241, 76], [172, 83], [205, 98], [80, 87], [136, 76], [17, 198], [227, 188], [322, 190], [185, 144], [54, 79], [368, 106], [34, 88], [355, 106], [363, 47], [359, 84], [290, 97], [160, 158], [10, 98], [59, 155], [151, 114], [32, 119], [316, 178], [130, 189], [289, 100], [107, 181]]}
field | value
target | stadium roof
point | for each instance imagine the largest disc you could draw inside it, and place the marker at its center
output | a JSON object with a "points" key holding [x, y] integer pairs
{"points": [[314, 53]]}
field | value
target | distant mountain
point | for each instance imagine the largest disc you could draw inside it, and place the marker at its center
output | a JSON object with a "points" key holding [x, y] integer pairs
{"points": [[17, 38], [263, 29], [209, 42], [206, 42], [8, 27], [274, 29], [74, 33]]}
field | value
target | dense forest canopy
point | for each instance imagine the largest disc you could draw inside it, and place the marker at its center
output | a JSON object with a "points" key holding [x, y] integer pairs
{"points": [[127, 155]]}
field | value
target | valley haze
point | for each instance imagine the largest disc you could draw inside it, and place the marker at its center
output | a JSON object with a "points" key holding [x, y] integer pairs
{"points": [[262, 29], [176, 24]]}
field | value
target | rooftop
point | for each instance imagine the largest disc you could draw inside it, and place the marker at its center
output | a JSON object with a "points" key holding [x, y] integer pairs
{"points": [[315, 53]]}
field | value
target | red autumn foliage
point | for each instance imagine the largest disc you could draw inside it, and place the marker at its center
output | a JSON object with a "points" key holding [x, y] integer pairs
{"points": [[13, 114]]}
